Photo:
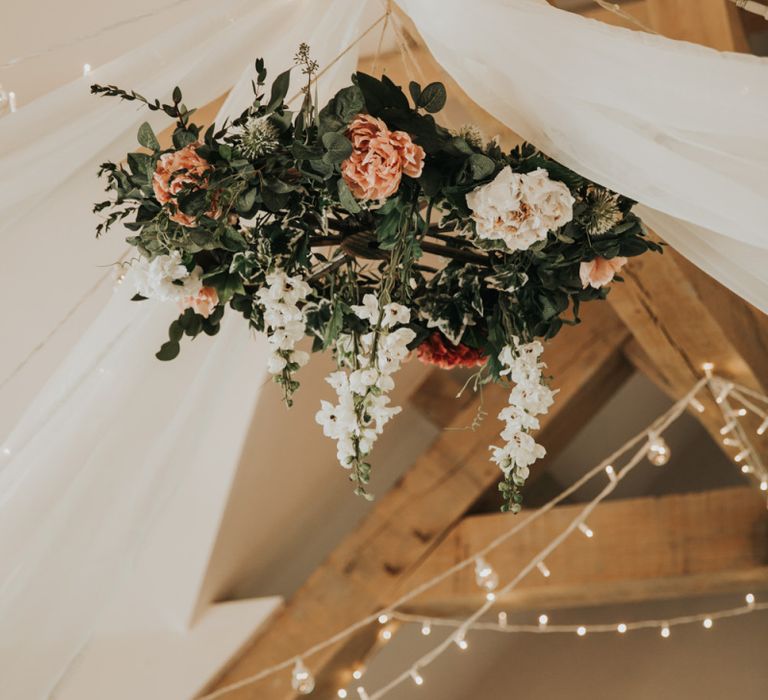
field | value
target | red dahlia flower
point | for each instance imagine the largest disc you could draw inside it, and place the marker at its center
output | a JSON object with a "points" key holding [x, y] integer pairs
{"points": [[438, 350]]}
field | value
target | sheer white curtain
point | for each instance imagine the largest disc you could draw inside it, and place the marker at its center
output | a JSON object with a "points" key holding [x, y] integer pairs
{"points": [[679, 127], [88, 468]]}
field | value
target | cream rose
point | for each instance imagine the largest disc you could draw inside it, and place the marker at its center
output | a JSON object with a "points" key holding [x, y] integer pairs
{"points": [[600, 271], [520, 208]]}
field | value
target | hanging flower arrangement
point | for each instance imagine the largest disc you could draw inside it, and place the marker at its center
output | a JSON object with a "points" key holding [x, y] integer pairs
{"points": [[377, 233]]}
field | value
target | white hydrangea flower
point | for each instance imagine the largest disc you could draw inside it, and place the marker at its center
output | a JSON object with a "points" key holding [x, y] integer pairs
{"points": [[520, 208], [363, 407], [165, 278], [286, 325], [529, 397]]}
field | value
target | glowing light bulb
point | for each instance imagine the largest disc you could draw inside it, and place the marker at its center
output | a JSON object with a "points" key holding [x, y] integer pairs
{"points": [[416, 676], [12, 101], [383, 619], [750, 599], [426, 629], [727, 428], [386, 634], [763, 427], [361, 692], [460, 642], [490, 596], [543, 620], [581, 631], [724, 391], [741, 412], [86, 69], [485, 577], [341, 693], [301, 679], [708, 367], [357, 674], [658, 451], [665, 631], [542, 567], [730, 442], [697, 405], [707, 623], [741, 456], [611, 472], [621, 628], [764, 485], [745, 468], [586, 530], [502, 619]]}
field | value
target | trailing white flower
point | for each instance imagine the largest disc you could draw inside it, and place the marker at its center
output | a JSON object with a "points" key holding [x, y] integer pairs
{"points": [[165, 278], [529, 398], [368, 363], [519, 209], [286, 325]]}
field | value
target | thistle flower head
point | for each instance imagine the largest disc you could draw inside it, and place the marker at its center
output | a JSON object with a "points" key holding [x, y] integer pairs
{"points": [[471, 134], [603, 211], [257, 137]]}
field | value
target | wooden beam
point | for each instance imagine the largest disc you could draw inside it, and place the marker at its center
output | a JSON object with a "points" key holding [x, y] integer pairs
{"points": [[366, 569], [643, 549], [714, 23]]}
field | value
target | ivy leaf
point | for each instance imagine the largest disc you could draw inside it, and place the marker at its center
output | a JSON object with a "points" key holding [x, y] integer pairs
{"points": [[346, 198], [338, 147], [168, 351], [146, 137], [432, 98]]}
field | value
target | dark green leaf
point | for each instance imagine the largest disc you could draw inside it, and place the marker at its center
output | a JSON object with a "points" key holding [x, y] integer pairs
{"points": [[279, 91], [147, 138], [168, 351], [432, 98], [480, 166], [346, 198], [338, 147]]}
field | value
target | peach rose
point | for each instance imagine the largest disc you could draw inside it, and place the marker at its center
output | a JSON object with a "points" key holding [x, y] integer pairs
{"points": [[379, 158], [203, 303], [600, 271], [167, 181]]}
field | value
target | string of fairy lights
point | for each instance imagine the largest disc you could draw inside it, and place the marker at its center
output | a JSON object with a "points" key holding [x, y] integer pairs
{"points": [[649, 445]]}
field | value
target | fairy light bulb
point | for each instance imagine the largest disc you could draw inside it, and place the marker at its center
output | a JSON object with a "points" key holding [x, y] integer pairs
{"points": [[543, 569], [696, 405], [741, 456], [543, 620], [416, 677], [611, 472], [708, 367], [764, 485], [658, 451], [723, 393], [460, 641], [426, 629], [707, 623], [745, 468], [86, 69], [581, 631], [727, 428], [361, 693], [750, 599], [383, 618], [357, 674], [502, 619], [665, 631], [586, 530], [302, 680], [485, 576], [730, 442], [763, 427], [741, 412], [621, 628], [341, 693], [385, 634]]}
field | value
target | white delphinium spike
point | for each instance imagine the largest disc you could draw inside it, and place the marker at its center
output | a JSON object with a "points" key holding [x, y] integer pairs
{"points": [[155, 278], [529, 397], [286, 325], [362, 384]]}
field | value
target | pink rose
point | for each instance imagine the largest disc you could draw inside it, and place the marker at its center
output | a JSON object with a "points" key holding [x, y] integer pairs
{"points": [[204, 303], [600, 271], [167, 181], [379, 158]]}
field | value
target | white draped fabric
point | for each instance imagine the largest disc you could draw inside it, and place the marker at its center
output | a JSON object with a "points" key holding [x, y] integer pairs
{"points": [[678, 127], [86, 472], [113, 433]]}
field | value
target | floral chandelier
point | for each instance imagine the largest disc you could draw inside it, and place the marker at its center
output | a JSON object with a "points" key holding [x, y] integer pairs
{"points": [[376, 232]]}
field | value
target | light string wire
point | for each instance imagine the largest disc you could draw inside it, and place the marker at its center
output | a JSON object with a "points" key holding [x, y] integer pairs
{"points": [[656, 427], [590, 627], [619, 11]]}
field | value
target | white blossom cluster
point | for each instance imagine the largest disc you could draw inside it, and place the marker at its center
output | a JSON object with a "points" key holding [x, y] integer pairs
{"points": [[363, 407], [529, 398], [165, 278], [285, 321], [520, 208]]}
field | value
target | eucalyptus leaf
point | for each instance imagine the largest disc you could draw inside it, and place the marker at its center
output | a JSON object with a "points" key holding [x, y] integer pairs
{"points": [[147, 138], [432, 98]]}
